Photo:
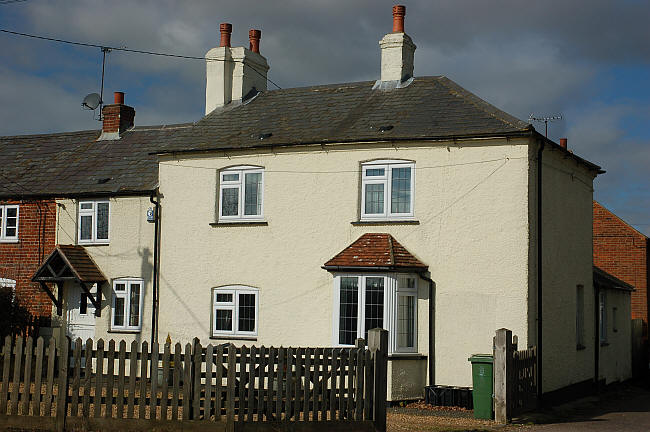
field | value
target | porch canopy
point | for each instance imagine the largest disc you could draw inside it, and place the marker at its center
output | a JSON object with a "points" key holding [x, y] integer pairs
{"points": [[602, 279], [70, 263], [376, 252]]}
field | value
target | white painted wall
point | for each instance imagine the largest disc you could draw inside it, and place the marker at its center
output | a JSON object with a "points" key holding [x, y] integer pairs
{"points": [[471, 201], [129, 254]]}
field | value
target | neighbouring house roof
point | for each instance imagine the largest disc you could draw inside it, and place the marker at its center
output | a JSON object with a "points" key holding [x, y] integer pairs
{"points": [[75, 164], [602, 278], [428, 108], [69, 262], [375, 251]]}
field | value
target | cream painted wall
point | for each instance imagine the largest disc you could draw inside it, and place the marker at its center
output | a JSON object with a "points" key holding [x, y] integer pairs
{"points": [[470, 200], [129, 254], [567, 262], [616, 355]]}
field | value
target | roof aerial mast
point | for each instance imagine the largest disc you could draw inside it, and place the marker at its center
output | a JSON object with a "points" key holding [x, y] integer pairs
{"points": [[94, 100], [531, 118]]}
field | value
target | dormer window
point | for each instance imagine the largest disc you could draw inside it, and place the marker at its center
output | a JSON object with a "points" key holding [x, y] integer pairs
{"points": [[387, 190], [241, 191]]}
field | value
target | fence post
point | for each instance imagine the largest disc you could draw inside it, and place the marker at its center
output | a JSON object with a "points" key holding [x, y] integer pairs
{"points": [[378, 346], [62, 397], [503, 367]]}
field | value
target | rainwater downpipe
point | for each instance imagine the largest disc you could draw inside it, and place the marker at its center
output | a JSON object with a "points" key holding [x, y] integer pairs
{"points": [[154, 306], [539, 272], [432, 348]]}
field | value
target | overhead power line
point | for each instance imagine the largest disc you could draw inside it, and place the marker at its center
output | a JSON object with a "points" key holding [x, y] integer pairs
{"points": [[129, 50], [4, 2]]}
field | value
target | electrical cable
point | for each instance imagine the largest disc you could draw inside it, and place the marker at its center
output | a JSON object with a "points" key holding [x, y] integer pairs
{"points": [[129, 50]]}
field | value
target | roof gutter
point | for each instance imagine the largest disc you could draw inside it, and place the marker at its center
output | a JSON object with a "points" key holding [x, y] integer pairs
{"points": [[397, 269], [23, 196]]}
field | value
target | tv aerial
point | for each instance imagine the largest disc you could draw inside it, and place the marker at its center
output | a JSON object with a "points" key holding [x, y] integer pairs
{"points": [[94, 100], [547, 119]]}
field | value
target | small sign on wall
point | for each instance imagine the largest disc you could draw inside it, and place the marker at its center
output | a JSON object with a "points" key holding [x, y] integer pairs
{"points": [[151, 215]]}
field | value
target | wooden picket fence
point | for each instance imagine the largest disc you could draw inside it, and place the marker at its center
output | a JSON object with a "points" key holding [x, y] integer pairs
{"points": [[524, 388], [88, 386]]}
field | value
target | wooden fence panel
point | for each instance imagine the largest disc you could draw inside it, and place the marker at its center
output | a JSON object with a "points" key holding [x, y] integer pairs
{"points": [[4, 390], [18, 355], [76, 378], [36, 401], [121, 379], [250, 396], [218, 389], [110, 377], [144, 367], [51, 358], [209, 359], [27, 377], [261, 389], [99, 378], [176, 382]]}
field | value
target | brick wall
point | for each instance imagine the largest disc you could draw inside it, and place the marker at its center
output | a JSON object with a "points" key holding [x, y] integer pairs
{"points": [[622, 251], [19, 261]]}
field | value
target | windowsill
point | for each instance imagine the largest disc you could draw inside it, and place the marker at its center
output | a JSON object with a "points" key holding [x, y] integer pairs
{"points": [[93, 243], [239, 223], [406, 356], [580, 347], [233, 337], [385, 222], [124, 331], [604, 344], [10, 241]]}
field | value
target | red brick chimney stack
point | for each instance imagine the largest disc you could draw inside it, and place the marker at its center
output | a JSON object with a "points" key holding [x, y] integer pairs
{"points": [[399, 12], [226, 31], [255, 36], [563, 143], [117, 117]]}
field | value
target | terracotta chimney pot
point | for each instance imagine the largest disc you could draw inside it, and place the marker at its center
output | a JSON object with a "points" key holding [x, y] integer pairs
{"points": [[399, 12], [254, 36], [226, 30], [563, 142], [119, 97]]}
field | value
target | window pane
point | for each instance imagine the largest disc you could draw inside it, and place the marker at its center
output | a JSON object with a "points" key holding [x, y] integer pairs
{"points": [[102, 221], [231, 177], [12, 212], [374, 304], [229, 201], [373, 172], [118, 317], [375, 198], [253, 194], [120, 287], [86, 227], [224, 298], [401, 190], [246, 320], [223, 320], [134, 312], [10, 232], [86, 206], [349, 310], [406, 322]]}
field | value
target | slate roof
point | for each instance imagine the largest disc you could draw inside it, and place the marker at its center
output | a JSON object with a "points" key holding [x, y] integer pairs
{"points": [[377, 251], [76, 261], [430, 107], [75, 164]]}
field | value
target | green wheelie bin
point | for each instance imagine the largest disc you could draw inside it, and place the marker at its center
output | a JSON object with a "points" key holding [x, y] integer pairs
{"points": [[482, 381]]}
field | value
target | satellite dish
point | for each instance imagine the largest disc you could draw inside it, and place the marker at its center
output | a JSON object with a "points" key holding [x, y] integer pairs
{"points": [[91, 101]]}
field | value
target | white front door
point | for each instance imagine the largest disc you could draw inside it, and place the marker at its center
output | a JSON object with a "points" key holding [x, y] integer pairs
{"points": [[81, 313]]}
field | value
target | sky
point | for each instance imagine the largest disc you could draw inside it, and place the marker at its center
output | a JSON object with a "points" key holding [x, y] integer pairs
{"points": [[586, 60]]}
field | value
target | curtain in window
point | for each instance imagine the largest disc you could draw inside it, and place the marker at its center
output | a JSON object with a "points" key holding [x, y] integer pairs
{"points": [[374, 198], [230, 202]]}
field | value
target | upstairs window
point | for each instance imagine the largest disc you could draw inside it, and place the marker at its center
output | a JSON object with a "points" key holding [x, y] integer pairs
{"points": [[8, 223], [127, 305], [93, 222], [241, 192], [387, 190], [234, 311]]}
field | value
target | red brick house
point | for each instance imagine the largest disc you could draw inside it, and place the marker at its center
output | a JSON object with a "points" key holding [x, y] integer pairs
{"points": [[27, 236], [622, 251]]}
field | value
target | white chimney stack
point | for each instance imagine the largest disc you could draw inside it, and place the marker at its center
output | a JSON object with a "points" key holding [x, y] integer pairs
{"points": [[397, 50], [232, 74]]}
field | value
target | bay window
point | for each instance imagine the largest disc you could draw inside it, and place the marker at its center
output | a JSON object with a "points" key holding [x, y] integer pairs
{"points": [[367, 301], [387, 190], [241, 192]]}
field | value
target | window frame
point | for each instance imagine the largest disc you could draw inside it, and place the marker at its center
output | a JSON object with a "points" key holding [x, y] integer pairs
{"points": [[93, 213], [388, 165], [127, 305], [233, 305], [392, 293], [240, 185], [4, 238]]}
